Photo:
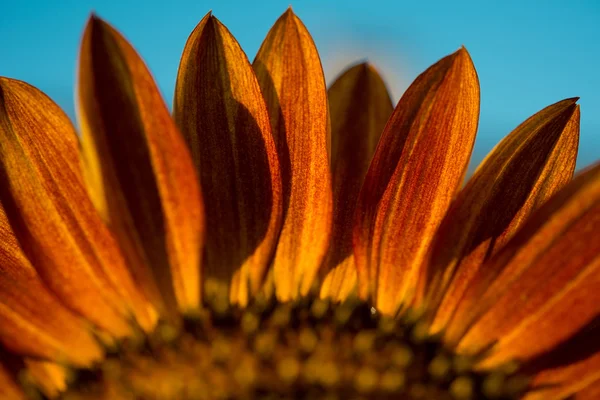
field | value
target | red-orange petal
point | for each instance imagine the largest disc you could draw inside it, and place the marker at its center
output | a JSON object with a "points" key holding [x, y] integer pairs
{"points": [[138, 170], [52, 216], [520, 174], [359, 106], [417, 168], [590, 392], [9, 389], [222, 115], [581, 380], [543, 286], [33, 322], [290, 75], [573, 368]]}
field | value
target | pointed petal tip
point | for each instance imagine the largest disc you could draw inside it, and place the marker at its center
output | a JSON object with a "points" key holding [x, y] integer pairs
{"points": [[289, 13], [93, 19], [568, 101], [371, 67], [96, 24], [573, 100], [210, 18], [364, 65], [462, 51], [463, 54], [568, 105]]}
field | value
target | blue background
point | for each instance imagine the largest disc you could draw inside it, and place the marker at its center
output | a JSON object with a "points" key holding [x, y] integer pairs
{"points": [[528, 54]]}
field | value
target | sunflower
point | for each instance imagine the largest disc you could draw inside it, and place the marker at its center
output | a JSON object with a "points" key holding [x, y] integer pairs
{"points": [[275, 239]]}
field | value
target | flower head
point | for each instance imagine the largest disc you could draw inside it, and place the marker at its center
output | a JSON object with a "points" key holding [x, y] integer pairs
{"points": [[275, 238]]}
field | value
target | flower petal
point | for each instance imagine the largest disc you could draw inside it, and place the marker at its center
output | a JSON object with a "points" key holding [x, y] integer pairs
{"points": [[9, 389], [49, 377], [546, 279], [52, 216], [32, 321], [573, 367], [590, 392], [289, 72], [222, 115], [582, 380], [418, 166], [521, 173], [138, 169], [360, 105]]}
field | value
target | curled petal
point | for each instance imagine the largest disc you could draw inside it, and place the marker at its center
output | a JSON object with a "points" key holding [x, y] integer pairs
{"points": [[138, 170], [222, 115], [289, 72], [417, 168], [359, 105], [546, 279], [52, 216], [520, 174]]}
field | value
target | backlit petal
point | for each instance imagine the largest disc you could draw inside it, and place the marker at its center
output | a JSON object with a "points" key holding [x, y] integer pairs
{"points": [[543, 286], [222, 115], [55, 222], [32, 321], [417, 168], [521, 173], [138, 169], [289, 72], [359, 105]]}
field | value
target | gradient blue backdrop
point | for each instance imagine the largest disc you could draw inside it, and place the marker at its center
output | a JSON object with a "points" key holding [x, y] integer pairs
{"points": [[528, 54]]}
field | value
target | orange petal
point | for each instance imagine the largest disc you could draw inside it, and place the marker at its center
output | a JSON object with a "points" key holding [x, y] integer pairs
{"points": [[32, 321], [571, 368], [417, 168], [590, 392], [49, 377], [360, 105], [543, 286], [222, 115], [52, 216], [138, 169], [9, 389], [581, 379], [520, 174], [289, 72]]}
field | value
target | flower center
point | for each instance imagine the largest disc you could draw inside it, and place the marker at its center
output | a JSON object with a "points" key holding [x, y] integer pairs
{"points": [[309, 349]]}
